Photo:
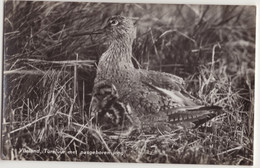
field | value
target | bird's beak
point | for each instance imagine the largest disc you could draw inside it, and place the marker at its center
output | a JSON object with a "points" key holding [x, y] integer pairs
{"points": [[98, 31]]}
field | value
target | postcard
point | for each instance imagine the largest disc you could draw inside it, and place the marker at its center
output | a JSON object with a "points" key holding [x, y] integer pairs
{"points": [[128, 82]]}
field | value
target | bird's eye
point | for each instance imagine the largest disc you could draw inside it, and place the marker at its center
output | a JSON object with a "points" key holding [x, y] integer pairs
{"points": [[113, 22]]}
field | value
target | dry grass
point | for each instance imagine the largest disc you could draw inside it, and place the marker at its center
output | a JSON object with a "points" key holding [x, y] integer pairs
{"points": [[49, 73]]}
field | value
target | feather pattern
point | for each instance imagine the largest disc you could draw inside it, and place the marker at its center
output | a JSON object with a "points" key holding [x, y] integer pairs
{"points": [[153, 97]]}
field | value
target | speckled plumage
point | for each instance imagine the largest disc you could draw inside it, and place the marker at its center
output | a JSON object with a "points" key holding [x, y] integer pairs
{"points": [[153, 96]]}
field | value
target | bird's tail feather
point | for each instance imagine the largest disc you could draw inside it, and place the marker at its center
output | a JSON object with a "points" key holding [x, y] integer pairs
{"points": [[197, 115], [193, 108]]}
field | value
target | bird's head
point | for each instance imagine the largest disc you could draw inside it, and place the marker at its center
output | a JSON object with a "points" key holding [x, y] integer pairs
{"points": [[116, 28], [120, 28]]}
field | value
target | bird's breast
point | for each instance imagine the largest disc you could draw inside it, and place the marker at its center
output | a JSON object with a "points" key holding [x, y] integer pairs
{"points": [[123, 76]]}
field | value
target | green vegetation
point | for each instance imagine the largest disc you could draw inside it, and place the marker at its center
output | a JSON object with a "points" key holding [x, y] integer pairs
{"points": [[49, 73]]}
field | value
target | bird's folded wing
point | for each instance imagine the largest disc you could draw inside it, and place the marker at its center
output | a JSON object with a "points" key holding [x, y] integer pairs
{"points": [[188, 111], [173, 95], [167, 82], [162, 79]]}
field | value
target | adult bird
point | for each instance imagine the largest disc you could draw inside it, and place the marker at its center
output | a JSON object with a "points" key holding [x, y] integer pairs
{"points": [[156, 99]]}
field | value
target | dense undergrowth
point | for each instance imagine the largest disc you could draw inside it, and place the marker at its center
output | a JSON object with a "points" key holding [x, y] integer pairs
{"points": [[49, 72]]}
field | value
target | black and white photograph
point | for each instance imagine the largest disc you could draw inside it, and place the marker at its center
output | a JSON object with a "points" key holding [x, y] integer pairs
{"points": [[128, 82]]}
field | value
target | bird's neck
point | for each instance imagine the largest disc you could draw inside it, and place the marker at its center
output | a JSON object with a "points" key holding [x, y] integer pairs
{"points": [[119, 52], [116, 61]]}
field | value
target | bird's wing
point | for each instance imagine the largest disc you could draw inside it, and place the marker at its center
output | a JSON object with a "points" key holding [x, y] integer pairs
{"points": [[168, 85], [162, 79], [185, 107]]}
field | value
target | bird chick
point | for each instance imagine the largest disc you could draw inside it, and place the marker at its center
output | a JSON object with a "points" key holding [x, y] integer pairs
{"points": [[106, 109]]}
